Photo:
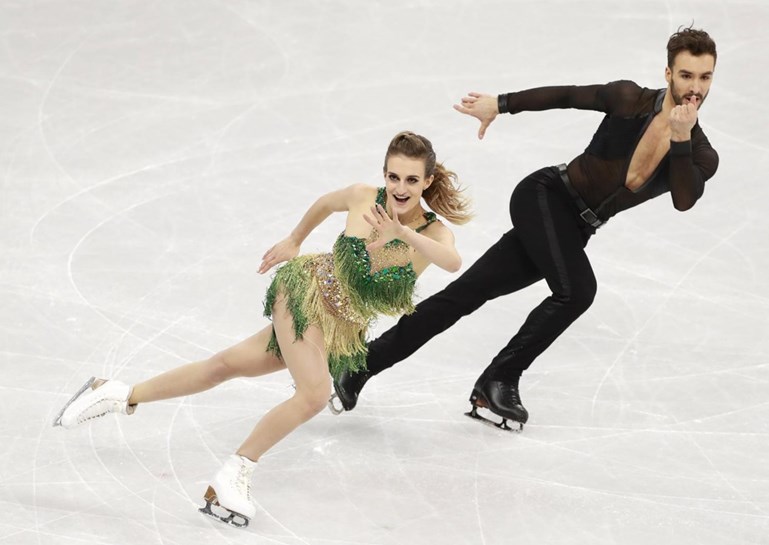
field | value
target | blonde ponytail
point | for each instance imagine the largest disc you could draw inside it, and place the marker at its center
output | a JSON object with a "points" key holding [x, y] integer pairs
{"points": [[444, 196]]}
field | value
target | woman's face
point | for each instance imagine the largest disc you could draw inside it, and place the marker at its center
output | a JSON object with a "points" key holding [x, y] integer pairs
{"points": [[405, 182]]}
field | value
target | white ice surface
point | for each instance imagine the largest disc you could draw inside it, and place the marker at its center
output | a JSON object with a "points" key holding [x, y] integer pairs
{"points": [[150, 152]]}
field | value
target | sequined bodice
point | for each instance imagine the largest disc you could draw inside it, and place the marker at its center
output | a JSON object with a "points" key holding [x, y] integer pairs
{"points": [[391, 263], [344, 291], [358, 284]]}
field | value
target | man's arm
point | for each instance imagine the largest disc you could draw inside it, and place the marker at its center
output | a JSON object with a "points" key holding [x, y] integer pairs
{"points": [[600, 98], [692, 162], [579, 97], [692, 159]]}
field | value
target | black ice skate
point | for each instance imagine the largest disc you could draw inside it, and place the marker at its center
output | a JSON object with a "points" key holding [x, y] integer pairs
{"points": [[502, 399], [347, 388]]}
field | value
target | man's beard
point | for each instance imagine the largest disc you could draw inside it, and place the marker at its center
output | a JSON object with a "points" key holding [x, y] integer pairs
{"points": [[679, 99]]}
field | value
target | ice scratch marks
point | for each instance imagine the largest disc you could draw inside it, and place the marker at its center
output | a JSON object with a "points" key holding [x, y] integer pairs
{"points": [[653, 316]]}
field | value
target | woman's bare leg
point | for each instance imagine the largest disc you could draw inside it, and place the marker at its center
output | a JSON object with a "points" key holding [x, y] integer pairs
{"points": [[248, 358], [307, 363]]}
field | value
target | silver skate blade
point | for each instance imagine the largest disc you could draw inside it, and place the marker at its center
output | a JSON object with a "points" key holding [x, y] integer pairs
{"points": [[332, 407], [88, 383], [499, 425], [229, 518]]}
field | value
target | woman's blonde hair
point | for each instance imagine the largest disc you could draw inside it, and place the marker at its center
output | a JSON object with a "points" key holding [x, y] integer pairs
{"points": [[444, 195]]}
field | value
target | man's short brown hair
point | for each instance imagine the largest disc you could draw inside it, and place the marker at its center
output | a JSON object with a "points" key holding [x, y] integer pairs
{"points": [[697, 42]]}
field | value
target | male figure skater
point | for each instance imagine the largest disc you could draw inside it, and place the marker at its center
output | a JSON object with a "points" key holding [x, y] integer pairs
{"points": [[649, 143]]}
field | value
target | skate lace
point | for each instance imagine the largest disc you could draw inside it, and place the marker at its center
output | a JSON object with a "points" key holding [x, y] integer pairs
{"points": [[98, 409], [243, 480], [510, 392]]}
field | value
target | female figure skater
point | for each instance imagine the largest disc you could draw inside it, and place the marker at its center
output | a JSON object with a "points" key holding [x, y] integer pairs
{"points": [[321, 306]]}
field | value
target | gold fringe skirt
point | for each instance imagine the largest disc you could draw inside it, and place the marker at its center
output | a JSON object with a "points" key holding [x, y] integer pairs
{"points": [[315, 296]]}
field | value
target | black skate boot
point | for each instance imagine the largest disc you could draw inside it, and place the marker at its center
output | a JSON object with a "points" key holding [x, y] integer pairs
{"points": [[346, 388], [502, 399]]}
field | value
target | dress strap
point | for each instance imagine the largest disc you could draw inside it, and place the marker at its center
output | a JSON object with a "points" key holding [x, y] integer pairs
{"points": [[381, 196], [429, 217]]}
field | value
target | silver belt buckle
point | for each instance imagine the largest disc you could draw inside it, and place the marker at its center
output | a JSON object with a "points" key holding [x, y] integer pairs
{"points": [[591, 218]]}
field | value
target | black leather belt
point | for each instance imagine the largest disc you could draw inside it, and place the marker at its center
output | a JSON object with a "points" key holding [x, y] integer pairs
{"points": [[590, 217]]}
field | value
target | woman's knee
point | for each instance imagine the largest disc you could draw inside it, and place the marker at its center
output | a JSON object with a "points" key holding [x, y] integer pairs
{"points": [[313, 399], [220, 369]]}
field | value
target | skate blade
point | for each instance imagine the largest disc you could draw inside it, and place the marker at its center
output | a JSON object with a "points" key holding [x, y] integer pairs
{"points": [[83, 388], [499, 425], [332, 407], [229, 517]]}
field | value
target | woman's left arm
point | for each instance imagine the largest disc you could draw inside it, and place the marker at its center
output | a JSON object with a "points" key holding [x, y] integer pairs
{"points": [[438, 248]]}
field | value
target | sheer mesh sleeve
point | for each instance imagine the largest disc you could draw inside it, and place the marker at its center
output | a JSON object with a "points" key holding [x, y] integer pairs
{"points": [[691, 164], [601, 98], [600, 173]]}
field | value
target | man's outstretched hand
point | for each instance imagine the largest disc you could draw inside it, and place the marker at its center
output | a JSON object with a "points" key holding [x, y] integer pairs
{"points": [[480, 106]]}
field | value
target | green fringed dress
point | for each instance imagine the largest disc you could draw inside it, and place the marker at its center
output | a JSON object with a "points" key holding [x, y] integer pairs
{"points": [[344, 291]]}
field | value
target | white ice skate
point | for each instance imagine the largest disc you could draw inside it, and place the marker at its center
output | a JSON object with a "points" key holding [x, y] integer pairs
{"points": [[95, 399], [230, 493]]}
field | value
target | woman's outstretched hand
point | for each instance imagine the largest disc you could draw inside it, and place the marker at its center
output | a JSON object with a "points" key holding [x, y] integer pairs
{"points": [[387, 227], [284, 250]]}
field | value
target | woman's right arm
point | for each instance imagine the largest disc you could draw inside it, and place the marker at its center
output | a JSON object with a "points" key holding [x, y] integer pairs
{"points": [[336, 201]]}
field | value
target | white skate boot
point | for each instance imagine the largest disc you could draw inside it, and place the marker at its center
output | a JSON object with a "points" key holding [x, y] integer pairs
{"points": [[230, 492], [95, 399]]}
